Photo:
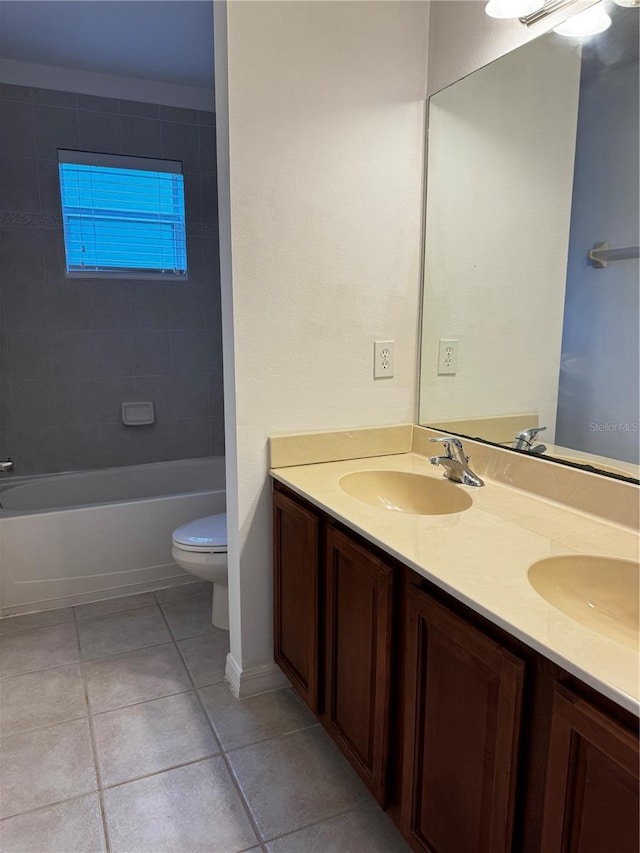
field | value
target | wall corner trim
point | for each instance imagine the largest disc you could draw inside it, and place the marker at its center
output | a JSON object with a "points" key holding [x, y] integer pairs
{"points": [[250, 682]]}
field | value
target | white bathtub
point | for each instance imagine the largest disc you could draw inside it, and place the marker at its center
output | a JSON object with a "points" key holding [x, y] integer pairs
{"points": [[72, 538]]}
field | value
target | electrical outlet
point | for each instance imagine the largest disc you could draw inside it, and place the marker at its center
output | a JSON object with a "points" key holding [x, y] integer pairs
{"points": [[447, 357], [383, 359]]}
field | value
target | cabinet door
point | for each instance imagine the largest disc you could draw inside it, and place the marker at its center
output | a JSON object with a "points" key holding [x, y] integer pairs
{"points": [[358, 657], [591, 800], [295, 595], [462, 724]]}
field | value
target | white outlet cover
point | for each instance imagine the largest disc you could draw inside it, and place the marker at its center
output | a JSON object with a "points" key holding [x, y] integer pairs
{"points": [[384, 357]]}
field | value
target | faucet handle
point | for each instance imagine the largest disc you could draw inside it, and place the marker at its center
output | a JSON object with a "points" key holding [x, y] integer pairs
{"points": [[530, 434], [451, 442]]}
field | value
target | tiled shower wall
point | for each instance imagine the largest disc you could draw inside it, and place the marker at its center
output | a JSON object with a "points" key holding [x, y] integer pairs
{"points": [[71, 350]]}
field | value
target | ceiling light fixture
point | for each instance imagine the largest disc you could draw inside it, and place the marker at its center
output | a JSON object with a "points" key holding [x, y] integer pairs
{"points": [[588, 23], [512, 8]]}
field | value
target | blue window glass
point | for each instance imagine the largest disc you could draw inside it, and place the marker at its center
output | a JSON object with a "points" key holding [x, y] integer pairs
{"points": [[120, 220]]}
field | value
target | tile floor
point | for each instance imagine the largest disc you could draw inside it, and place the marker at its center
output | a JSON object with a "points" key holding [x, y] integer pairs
{"points": [[118, 733]]}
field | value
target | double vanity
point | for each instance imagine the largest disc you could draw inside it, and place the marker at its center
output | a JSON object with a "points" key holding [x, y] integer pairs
{"points": [[473, 650]]}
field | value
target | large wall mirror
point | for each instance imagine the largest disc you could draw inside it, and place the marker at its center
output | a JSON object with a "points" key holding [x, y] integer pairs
{"points": [[530, 314]]}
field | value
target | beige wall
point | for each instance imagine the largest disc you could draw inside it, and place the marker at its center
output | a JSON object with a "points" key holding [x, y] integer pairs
{"points": [[463, 38], [325, 105]]}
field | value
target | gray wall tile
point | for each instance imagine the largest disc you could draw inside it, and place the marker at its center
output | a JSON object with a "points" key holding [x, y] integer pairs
{"points": [[26, 305], [180, 142], [9, 92], [207, 143], [100, 132], [18, 138], [33, 403], [140, 109], [150, 304], [140, 136], [109, 304], [19, 185], [91, 401], [186, 306], [52, 98], [206, 118], [49, 185], [179, 114], [192, 438], [152, 352], [190, 396], [72, 350], [29, 354], [97, 104], [55, 128], [189, 354]]}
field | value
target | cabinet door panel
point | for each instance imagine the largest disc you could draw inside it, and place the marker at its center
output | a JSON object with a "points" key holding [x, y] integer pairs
{"points": [[462, 725], [358, 632], [296, 596], [591, 802]]}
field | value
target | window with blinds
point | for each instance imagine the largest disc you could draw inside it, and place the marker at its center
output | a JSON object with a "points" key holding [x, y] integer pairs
{"points": [[122, 216]]}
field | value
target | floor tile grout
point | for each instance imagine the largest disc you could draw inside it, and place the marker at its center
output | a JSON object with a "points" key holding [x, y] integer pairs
{"points": [[234, 781], [94, 750]]}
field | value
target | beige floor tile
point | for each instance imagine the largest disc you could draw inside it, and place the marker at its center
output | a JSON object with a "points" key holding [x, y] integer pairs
{"points": [[41, 699], [150, 737], [115, 605], [206, 656], [119, 632], [38, 648], [188, 809], [71, 827], [243, 722], [45, 766], [189, 618], [293, 781], [199, 589], [136, 676], [10, 624], [365, 830]]}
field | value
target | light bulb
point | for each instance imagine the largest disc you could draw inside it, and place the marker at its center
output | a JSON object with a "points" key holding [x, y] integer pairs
{"points": [[630, 4], [512, 8], [588, 23]]}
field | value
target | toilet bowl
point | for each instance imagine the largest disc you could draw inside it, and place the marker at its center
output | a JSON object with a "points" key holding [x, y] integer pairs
{"points": [[200, 548]]}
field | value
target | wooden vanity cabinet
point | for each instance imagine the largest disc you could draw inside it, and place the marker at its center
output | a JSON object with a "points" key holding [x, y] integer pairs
{"points": [[358, 612], [478, 743], [591, 798], [296, 595], [461, 733]]}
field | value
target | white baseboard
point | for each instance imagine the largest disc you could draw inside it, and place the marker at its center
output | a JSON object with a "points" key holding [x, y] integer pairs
{"points": [[257, 679]]}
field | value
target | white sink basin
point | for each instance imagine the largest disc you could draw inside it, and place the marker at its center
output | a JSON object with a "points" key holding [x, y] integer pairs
{"points": [[599, 592], [400, 491]]}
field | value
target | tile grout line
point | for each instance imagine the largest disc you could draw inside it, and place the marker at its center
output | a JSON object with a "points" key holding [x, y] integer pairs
{"points": [[234, 781], [94, 750]]}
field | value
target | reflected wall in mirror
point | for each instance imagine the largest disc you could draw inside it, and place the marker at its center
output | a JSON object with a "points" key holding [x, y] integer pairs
{"points": [[532, 161]]}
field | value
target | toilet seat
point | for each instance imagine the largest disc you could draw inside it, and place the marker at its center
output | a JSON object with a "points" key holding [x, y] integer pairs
{"points": [[204, 535]]}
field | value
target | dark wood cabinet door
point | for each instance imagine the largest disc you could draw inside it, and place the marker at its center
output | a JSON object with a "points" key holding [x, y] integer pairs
{"points": [[296, 595], [462, 725], [591, 800], [358, 590]]}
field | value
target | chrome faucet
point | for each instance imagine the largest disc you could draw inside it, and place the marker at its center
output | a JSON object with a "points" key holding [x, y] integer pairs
{"points": [[6, 467], [455, 463], [524, 440]]}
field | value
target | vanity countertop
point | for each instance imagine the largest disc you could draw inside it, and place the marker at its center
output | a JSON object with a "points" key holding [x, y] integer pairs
{"points": [[481, 556]]}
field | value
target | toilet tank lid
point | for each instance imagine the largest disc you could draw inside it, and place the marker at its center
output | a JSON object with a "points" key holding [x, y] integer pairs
{"points": [[210, 531]]}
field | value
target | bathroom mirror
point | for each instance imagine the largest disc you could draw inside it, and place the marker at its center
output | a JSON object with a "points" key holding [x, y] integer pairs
{"points": [[533, 164]]}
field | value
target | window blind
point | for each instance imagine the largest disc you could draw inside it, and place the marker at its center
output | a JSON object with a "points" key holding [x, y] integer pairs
{"points": [[122, 215]]}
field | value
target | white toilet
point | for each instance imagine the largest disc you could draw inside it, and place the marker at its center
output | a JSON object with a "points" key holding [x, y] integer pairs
{"points": [[200, 548]]}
